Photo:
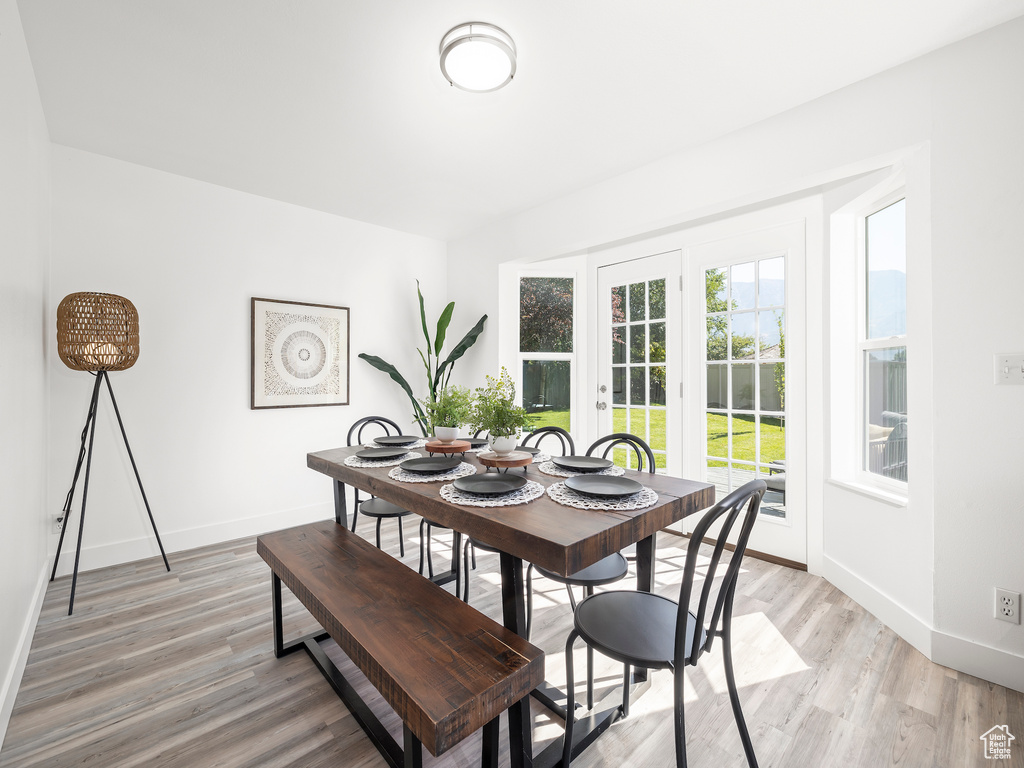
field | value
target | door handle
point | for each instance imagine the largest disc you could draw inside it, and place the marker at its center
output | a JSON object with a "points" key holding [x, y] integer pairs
{"points": [[601, 405]]}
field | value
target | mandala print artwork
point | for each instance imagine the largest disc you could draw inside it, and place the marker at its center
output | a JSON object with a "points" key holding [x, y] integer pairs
{"points": [[300, 354]]}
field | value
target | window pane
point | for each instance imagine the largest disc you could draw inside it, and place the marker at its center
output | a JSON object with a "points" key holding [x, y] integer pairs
{"points": [[545, 314], [715, 285], [637, 343], [638, 425], [620, 420], [773, 440], [637, 385], [886, 249], [771, 282], [718, 395], [743, 286], [657, 289], [637, 301], [657, 342], [546, 391], [743, 443], [743, 336], [618, 344], [657, 377], [718, 435], [619, 304], [658, 441], [771, 337], [743, 387], [619, 386], [772, 385], [718, 474], [717, 339], [886, 408]]}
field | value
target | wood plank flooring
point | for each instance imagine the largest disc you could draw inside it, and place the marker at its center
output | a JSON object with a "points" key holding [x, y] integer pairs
{"points": [[176, 670]]}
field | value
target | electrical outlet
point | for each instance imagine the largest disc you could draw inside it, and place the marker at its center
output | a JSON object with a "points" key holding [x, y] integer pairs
{"points": [[58, 523], [1007, 606]]}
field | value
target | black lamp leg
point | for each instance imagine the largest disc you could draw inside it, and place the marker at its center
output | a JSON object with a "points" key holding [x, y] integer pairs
{"points": [[78, 469], [120, 423], [85, 496]]}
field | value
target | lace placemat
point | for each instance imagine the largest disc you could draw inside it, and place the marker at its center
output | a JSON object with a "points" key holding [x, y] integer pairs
{"points": [[527, 493], [569, 498], [402, 476], [355, 461], [549, 468], [418, 444]]}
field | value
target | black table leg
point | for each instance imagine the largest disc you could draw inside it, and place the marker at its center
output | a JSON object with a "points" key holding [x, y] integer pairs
{"points": [[513, 604], [340, 508], [644, 582]]}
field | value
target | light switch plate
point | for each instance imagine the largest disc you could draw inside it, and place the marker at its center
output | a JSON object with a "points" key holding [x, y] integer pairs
{"points": [[1009, 369]]}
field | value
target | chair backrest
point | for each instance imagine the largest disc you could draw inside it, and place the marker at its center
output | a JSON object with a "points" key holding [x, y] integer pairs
{"points": [[640, 448], [729, 511], [356, 429], [541, 433]]}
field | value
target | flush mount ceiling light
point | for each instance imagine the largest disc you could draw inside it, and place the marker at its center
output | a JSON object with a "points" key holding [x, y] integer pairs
{"points": [[478, 57]]}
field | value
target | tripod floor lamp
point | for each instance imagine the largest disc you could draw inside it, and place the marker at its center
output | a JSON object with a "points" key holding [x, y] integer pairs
{"points": [[97, 333]]}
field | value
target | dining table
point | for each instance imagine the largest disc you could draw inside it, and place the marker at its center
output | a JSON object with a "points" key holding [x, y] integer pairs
{"points": [[544, 531]]}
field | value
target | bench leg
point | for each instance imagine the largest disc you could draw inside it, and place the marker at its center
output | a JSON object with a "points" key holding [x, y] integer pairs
{"points": [[489, 759], [413, 751]]}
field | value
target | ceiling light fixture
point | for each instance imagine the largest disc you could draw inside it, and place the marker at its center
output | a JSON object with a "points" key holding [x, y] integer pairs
{"points": [[478, 57]]}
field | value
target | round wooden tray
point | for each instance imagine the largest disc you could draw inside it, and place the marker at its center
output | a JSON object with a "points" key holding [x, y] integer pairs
{"points": [[456, 446], [514, 459]]}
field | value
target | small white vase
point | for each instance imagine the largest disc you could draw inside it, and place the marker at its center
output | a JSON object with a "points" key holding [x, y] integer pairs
{"points": [[446, 434], [503, 445]]}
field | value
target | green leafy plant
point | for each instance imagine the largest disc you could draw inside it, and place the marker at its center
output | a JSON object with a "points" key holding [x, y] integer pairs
{"points": [[437, 372], [495, 409], [452, 408]]}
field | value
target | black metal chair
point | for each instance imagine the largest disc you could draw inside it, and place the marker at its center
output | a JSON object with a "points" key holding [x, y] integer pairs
{"points": [[645, 630], [605, 571], [374, 507]]}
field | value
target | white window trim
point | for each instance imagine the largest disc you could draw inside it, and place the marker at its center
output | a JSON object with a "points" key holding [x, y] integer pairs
{"points": [[571, 357], [883, 199]]}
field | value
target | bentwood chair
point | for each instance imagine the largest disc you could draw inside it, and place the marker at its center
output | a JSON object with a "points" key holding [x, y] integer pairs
{"points": [[374, 507], [641, 629]]}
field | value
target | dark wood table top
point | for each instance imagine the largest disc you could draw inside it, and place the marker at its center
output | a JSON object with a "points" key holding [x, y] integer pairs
{"points": [[559, 538]]}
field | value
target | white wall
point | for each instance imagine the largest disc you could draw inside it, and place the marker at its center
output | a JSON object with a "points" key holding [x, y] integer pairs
{"points": [[190, 256], [965, 105], [24, 257]]}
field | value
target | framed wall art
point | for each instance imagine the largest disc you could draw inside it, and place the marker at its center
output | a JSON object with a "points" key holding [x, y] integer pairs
{"points": [[300, 354]]}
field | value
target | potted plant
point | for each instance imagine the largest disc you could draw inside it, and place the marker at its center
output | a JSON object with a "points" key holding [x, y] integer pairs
{"points": [[495, 409], [448, 412]]}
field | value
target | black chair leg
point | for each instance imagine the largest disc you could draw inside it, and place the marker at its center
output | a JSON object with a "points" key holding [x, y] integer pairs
{"points": [[423, 525], [430, 555], [401, 539], [529, 600], [465, 572], [355, 508], [570, 698], [734, 696], [588, 591], [680, 719], [379, 520], [625, 691]]}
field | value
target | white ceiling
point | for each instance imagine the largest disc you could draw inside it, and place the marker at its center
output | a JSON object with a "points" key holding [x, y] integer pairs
{"points": [[340, 106]]}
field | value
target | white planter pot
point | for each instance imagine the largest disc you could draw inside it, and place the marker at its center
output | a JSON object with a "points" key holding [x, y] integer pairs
{"points": [[503, 445], [446, 434]]}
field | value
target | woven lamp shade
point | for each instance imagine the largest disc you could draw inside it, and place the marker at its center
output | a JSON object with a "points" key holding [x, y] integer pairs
{"points": [[97, 332]]}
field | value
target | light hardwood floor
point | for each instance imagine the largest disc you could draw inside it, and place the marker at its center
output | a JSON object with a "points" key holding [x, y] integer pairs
{"points": [[176, 670]]}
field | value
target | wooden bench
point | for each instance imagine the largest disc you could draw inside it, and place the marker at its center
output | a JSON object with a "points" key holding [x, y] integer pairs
{"points": [[446, 669]]}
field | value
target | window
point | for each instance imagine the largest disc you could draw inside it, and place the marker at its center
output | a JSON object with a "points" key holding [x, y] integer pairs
{"points": [[546, 349], [882, 353]]}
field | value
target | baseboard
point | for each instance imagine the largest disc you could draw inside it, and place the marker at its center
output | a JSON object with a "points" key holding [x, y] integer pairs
{"points": [[895, 616], [130, 550], [12, 682], [773, 559], [967, 656]]}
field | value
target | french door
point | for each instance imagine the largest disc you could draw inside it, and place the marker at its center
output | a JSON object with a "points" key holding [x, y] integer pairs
{"points": [[745, 318], [639, 337]]}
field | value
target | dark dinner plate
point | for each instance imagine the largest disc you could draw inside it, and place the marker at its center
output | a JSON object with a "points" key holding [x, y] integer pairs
{"points": [[431, 466], [490, 484], [603, 486], [581, 463], [380, 454], [475, 442], [395, 440], [528, 449]]}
